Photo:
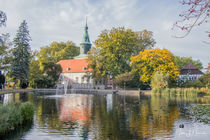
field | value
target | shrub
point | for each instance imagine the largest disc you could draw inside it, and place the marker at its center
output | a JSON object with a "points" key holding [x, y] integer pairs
{"points": [[159, 80], [13, 114], [27, 111], [10, 117]]}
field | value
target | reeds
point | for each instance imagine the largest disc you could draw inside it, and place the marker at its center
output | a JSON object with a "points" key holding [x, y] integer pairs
{"points": [[15, 114], [182, 91]]}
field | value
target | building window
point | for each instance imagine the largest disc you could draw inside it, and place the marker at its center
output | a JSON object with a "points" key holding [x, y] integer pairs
{"points": [[68, 69], [84, 68], [77, 79], [82, 79]]}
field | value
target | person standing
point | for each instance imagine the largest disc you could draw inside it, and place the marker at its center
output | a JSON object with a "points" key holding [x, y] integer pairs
{"points": [[2, 80]]}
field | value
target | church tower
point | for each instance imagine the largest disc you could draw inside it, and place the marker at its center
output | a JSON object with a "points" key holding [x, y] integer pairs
{"points": [[85, 45]]}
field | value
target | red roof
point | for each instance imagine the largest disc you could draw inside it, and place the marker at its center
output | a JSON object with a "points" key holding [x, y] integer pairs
{"points": [[74, 65]]}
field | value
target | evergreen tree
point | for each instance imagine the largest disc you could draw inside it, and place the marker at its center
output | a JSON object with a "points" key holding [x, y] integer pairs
{"points": [[21, 55]]}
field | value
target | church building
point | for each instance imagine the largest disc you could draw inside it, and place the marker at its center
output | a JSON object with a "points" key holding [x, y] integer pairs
{"points": [[76, 69]]}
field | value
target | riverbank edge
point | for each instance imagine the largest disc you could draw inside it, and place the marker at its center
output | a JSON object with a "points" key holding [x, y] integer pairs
{"points": [[48, 90], [7, 91]]}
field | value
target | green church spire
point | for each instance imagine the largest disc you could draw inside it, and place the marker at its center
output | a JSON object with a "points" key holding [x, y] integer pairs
{"points": [[85, 39], [85, 45]]}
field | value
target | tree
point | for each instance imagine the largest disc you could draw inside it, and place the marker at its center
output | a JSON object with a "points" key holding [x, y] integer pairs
{"points": [[114, 49], [128, 79], [159, 80], [34, 72], [183, 61], [205, 80], [197, 13], [145, 40], [3, 18], [57, 51], [52, 70], [150, 61], [21, 53], [5, 52]]}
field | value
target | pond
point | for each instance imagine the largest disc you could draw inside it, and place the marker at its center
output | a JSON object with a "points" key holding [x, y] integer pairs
{"points": [[109, 117]]}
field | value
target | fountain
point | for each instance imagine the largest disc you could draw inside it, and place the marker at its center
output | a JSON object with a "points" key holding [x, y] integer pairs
{"points": [[63, 84]]}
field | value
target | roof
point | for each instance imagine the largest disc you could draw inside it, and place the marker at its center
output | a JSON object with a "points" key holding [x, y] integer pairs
{"points": [[74, 65], [190, 69], [189, 66]]}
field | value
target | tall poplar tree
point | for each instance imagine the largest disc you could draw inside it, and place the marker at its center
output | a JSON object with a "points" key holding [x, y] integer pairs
{"points": [[21, 55]]}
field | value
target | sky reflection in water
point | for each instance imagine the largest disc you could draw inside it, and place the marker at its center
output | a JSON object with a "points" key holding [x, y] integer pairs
{"points": [[107, 116]]}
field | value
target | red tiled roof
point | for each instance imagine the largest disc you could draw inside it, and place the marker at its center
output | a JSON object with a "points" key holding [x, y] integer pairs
{"points": [[74, 65]]}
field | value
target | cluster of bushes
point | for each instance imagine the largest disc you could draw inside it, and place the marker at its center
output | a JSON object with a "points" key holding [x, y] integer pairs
{"points": [[15, 114]]}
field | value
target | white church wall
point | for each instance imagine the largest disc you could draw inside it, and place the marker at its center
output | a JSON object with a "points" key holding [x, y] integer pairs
{"points": [[78, 77]]}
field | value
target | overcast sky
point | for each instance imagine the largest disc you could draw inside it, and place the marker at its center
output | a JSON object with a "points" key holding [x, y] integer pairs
{"points": [[63, 20]]}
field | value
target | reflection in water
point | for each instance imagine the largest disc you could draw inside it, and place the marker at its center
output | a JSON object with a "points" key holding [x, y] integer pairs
{"points": [[102, 117], [109, 102], [76, 109]]}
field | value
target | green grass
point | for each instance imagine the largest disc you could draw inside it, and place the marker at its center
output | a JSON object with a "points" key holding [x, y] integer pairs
{"points": [[14, 114]]}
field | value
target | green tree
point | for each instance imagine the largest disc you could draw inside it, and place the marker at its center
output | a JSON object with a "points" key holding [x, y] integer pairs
{"points": [[183, 61], [150, 61], [97, 64], [3, 18], [128, 79], [57, 51], [114, 49], [52, 70], [21, 53], [45, 78], [5, 52], [159, 80], [145, 40], [34, 73], [205, 80]]}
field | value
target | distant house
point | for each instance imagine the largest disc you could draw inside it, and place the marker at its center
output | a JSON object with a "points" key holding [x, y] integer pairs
{"points": [[76, 69], [190, 72]]}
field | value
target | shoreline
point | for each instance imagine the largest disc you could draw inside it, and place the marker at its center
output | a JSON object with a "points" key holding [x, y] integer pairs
{"points": [[88, 91], [8, 91]]}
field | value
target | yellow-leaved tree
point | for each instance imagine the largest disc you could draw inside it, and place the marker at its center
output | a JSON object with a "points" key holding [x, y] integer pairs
{"points": [[147, 62]]}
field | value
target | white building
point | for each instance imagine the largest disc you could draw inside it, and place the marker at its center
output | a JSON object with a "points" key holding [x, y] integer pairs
{"points": [[190, 72]]}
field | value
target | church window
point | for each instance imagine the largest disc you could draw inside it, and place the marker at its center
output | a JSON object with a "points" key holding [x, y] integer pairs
{"points": [[68, 69]]}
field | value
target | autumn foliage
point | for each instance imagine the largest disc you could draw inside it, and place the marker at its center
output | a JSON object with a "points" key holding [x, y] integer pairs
{"points": [[150, 61]]}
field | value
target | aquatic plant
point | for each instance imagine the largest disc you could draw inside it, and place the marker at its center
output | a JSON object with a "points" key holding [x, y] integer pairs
{"points": [[14, 114], [27, 111], [200, 113], [182, 91]]}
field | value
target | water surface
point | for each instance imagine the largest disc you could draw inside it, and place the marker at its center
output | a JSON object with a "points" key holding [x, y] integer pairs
{"points": [[109, 117]]}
